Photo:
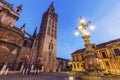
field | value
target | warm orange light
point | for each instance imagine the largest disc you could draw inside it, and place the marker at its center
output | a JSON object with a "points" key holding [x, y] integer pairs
{"points": [[85, 32], [79, 27], [100, 60], [82, 21], [97, 59]]}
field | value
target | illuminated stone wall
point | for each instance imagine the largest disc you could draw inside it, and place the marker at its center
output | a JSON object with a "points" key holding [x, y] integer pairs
{"points": [[11, 40], [107, 54]]}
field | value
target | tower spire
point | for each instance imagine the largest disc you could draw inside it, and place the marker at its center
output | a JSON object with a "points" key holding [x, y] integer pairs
{"points": [[52, 4], [19, 9], [51, 7], [46, 34], [23, 28], [35, 32]]}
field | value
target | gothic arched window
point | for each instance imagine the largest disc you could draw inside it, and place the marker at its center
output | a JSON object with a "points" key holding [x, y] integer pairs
{"points": [[25, 43], [48, 32], [51, 45], [0, 17]]}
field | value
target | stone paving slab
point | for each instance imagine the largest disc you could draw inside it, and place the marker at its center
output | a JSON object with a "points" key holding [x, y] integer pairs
{"points": [[40, 76]]}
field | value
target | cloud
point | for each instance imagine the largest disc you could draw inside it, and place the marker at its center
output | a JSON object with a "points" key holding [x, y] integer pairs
{"points": [[108, 25], [114, 31]]}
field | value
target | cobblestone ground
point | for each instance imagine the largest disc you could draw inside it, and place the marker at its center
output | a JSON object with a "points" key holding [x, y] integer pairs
{"points": [[55, 76], [33, 76]]}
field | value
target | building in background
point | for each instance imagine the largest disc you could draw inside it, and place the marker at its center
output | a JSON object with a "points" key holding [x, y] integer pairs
{"points": [[11, 38], [107, 56], [63, 64]]}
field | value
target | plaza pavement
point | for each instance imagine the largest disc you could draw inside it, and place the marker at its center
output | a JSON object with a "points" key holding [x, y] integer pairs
{"points": [[54, 76], [39, 76]]}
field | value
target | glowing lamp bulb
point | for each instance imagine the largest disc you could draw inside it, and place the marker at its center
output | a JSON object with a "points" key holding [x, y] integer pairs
{"points": [[76, 33], [82, 20], [87, 33], [79, 27], [92, 27]]}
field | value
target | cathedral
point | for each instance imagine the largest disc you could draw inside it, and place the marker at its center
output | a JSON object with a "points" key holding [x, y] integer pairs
{"points": [[11, 38], [38, 50]]}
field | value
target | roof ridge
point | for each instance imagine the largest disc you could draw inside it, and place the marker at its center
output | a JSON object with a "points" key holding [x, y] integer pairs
{"points": [[98, 45]]}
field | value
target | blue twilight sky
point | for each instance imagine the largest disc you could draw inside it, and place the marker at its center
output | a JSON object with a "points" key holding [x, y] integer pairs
{"points": [[104, 14]]}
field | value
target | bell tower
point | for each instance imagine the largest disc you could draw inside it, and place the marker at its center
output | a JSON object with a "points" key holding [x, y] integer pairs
{"points": [[8, 16], [48, 39], [18, 9]]}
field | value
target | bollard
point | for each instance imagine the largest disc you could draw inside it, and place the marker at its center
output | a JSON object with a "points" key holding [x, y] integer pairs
{"points": [[21, 69], [38, 70], [3, 69], [27, 71], [6, 72], [42, 69], [35, 70]]}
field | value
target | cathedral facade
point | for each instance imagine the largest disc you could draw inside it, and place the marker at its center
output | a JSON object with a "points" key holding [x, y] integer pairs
{"points": [[11, 38], [38, 49]]}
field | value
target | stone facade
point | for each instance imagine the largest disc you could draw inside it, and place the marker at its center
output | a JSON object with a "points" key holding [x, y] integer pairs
{"points": [[8, 16], [62, 64], [107, 56], [40, 48], [11, 38], [48, 39], [29, 48]]}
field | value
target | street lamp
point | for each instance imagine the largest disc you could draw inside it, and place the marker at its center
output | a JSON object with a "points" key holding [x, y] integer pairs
{"points": [[83, 27], [89, 55]]}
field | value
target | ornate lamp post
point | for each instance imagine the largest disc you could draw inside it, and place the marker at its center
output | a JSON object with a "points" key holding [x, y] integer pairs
{"points": [[90, 60]]}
